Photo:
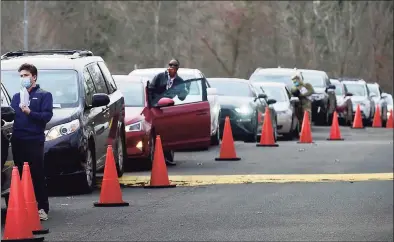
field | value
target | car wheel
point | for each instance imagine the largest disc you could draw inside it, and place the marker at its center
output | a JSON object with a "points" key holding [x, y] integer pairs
{"points": [[215, 139], [169, 157], [275, 128], [384, 117], [120, 155], [252, 138], [90, 171]]}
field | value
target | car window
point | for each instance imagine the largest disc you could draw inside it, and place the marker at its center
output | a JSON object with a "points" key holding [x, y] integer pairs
{"points": [[338, 89], [184, 93], [271, 77], [315, 79], [288, 93], [88, 86], [62, 84], [373, 88], [276, 93], [232, 88], [108, 77], [98, 79], [356, 89], [133, 93], [4, 98]]}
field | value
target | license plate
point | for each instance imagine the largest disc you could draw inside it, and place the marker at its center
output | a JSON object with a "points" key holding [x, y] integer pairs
{"points": [[318, 109]]}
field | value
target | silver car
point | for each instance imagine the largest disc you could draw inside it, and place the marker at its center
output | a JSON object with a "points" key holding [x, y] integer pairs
{"points": [[361, 96], [287, 123], [379, 99]]}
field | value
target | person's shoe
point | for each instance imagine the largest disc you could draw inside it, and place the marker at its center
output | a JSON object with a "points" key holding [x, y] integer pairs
{"points": [[43, 215]]}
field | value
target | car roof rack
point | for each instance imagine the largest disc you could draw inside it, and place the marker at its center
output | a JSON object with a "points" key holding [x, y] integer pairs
{"points": [[73, 53]]}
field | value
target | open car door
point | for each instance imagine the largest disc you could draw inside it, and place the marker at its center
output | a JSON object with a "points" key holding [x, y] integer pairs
{"points": [[181, 115]]}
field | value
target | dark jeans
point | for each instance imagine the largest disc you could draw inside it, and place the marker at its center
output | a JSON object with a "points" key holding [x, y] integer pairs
{"points": [[32, 151]]}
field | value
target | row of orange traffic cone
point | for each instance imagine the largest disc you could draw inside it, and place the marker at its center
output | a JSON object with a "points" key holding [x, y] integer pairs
{"points": [[22, 219], [227, 149]]}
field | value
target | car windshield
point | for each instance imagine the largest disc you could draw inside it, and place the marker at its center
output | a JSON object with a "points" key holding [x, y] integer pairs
{"points": [[62, 84], [271, 77], [132, 92], [277, 93], [373, 89], [315, 79], [338, 89], [231, 88], [356, 89]]}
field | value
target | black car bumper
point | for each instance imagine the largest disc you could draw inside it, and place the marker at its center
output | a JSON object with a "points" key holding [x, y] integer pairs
{"points": [[65, 155], [241, 125], [317, 107]]}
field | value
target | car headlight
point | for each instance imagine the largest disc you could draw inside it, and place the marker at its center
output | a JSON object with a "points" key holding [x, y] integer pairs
{"points": [[61, 130], [244, 110], [134, 127]]}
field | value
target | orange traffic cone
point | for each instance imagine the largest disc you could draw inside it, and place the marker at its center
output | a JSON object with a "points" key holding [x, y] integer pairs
{"points": [[377, 121], [159, 175], [15, 228], [306, 134], [227, 148], [358, 120], [111, 194], [267, 136], [31, 202], [335, 133], [389, 123]]}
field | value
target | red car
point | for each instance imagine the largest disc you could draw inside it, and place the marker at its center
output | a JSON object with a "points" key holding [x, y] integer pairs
{"points": [[180, 124]]}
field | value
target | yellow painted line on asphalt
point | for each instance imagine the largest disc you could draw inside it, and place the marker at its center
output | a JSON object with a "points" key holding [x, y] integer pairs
{"points": [[200, 180]]}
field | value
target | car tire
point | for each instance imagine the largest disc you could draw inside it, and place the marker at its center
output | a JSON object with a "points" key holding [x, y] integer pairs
{"points": [[120, 154], [275, 131], [215, 139], [89, 179], [384, 117], [169, 157], [252, 138]]}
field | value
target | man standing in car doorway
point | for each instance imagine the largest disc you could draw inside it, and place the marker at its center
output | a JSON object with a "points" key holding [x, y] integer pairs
{"points": [[159, 85], [33, 110]]}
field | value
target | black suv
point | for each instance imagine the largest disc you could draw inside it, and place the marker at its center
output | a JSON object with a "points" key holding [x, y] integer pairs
{"points": [[88, 111], [7, 118], [324, 101]]}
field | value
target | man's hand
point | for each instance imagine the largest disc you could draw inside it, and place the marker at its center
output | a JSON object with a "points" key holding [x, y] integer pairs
{"points": [[26, 110]]}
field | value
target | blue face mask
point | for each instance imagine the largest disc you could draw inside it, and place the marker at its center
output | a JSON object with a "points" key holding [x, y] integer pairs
{"points": [[296, 84], [25, 82]]}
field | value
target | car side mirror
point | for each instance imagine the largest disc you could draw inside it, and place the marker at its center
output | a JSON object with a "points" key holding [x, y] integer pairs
{"points": [[348, 94], [211, 91], [100, 99], [330, 87], [7, 114], [165, 102], [262, 95], [271, 101], [294, 99], [384, 95]]}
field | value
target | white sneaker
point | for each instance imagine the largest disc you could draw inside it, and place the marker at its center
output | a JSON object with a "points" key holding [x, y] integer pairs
{"points": [[42, 214]]}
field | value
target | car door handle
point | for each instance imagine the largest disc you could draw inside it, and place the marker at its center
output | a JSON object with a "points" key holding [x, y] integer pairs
{"points": [[201, 113]]}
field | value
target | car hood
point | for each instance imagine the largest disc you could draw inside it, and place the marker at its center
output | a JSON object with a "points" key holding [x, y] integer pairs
{"points": [[62, 115], [281, 106], [319, 89], [133, 114], [358, 99], [233, 101]]}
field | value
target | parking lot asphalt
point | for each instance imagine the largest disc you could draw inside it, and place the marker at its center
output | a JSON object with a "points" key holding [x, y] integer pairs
{"points": [[358, 207]]}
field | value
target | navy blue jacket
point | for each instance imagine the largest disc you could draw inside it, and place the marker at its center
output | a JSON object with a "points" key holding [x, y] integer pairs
{"points": [[32, 126]]}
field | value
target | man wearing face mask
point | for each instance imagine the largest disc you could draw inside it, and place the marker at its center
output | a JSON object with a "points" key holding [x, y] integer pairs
{"points": [[33, 110], [304, 93], [168, 80], [168, 84]]}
